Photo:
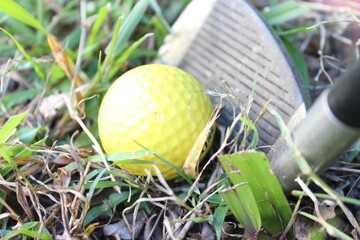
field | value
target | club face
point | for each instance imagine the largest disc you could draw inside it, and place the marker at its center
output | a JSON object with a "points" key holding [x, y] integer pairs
{"points": [[218, 40]]}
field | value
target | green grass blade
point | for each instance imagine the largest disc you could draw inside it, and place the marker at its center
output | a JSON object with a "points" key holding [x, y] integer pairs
{"points": [[102, 184], [181, 173], [110, 49], [125, 56], [300, 29], [130, 23], [27, 56], [159, 13], [114, 200], [243, 205], [255, 169], [298, 59], [28, 134], [219, 217], [95, 212], [135, 161], [94, 185], [331, 230], [122, 156], [10, 125], [251, 125], [283, 12], [28, 33], [30, 229], [34, 234], [267, 190], [94, 32], [14, 10], [240, 198], [26, 152], [327, 196]]}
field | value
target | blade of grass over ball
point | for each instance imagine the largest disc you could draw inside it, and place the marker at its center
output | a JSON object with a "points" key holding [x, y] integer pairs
{"points": [[135, 161], [122, 156], [241, 202], [181, 173], [16, 11], [26, 55], [130, 23]]}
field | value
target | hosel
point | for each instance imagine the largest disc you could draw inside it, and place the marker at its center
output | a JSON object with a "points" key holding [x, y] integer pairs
{"points": [[331, 126]]}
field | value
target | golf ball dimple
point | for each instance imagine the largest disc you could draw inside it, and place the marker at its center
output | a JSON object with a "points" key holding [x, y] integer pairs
{"points": [[160, 107]]}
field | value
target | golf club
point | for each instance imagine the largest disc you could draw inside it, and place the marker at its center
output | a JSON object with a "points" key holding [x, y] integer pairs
{"points": [[218, 40], [331, 126]]}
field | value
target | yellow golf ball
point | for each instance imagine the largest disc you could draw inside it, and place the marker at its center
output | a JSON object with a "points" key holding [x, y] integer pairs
{"points": [[160, 107]]}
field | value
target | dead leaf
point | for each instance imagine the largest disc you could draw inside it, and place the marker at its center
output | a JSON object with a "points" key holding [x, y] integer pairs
{"points": [[50, 105], [121, 230], [63, 159], [152, 229], [64, 177], [207, 232], [191, 164], [327, 209], [21, 198], [65, 63]]}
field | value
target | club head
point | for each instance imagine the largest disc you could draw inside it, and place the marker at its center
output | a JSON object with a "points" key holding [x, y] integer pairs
{"points": [[218, 40]]}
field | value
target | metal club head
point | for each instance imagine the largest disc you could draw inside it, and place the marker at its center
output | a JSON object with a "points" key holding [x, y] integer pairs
{"points": [[218, 40]]}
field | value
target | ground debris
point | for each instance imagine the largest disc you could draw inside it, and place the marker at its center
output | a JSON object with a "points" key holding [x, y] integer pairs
{"points": [[121, 228]]}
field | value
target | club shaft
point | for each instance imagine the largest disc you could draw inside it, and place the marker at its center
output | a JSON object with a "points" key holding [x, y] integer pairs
{"points": [[330, 128]]}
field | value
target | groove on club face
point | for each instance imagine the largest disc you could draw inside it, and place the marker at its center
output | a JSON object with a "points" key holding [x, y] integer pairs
{"points": [[228, 40]]}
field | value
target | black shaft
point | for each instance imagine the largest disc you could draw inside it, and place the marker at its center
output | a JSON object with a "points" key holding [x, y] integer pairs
{"points": [[344, 97]]}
